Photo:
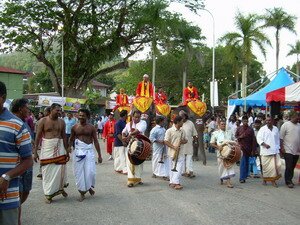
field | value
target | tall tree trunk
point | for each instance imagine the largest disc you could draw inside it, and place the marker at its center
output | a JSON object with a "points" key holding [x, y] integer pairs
{"points": [[277, 49]]}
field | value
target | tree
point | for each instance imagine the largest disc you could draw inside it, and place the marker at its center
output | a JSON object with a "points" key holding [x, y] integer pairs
{"points": [[93, 33], [279, 19], [295, 50], [248, 35]]}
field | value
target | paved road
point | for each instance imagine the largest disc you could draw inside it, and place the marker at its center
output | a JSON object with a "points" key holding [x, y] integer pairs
{"points": [[202, 201]]}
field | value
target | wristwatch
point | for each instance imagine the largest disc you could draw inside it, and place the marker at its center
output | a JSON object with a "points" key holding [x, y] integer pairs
{"points": [[6, 177]]}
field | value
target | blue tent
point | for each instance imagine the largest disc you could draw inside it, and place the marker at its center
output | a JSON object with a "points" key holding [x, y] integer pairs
{"points": [[258, 98]]}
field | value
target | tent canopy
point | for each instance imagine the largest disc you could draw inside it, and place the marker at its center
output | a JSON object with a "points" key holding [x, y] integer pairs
{"points": [[287, 94], [258, 98]]}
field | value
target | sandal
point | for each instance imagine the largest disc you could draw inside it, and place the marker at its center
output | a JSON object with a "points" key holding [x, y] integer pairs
{"points": [[178, 187]]}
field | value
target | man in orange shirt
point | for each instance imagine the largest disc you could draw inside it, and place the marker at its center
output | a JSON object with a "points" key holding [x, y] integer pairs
{"points": [[190, 93], [121, 99], [145, 88], [108, 134], [160, 97]]}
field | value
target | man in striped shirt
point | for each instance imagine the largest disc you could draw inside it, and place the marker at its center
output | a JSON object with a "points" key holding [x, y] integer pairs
{"points": [[14, 144]]}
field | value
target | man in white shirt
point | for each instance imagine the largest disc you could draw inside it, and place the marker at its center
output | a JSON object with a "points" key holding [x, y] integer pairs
{"points": [[175, 139], [268, 139], [191, 135], [218, 139], [136, 126], [290, 146]]}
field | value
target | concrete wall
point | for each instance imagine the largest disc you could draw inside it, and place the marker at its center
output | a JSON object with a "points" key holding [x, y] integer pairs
{"points": [[14, 84]]}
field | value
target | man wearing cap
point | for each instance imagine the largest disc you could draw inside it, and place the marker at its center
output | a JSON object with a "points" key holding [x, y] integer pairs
{"points": [[145, 88], [190, 93], [108, 134], [133, 128]]}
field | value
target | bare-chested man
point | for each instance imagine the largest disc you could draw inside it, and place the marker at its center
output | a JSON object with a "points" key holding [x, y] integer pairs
{"points": [[84, 135], [54, 154]]}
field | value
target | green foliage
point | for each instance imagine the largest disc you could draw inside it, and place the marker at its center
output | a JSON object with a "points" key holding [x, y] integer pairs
{"points": [[279, 19], [248, 33], [94, 32]]}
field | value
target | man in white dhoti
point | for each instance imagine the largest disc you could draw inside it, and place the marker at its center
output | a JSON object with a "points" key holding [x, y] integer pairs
{"points": [[136, 126], [83, 136], [269, 141], [119, 151], [175, 139], [159, 158], [191, 136], [54, 154], [218, 139]]}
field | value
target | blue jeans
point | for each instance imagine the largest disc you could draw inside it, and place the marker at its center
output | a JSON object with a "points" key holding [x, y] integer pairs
{"points": [[253, 166], [244, 165]]}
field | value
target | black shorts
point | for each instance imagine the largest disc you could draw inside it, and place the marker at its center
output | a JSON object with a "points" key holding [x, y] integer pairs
{"points": [[99, 131]]}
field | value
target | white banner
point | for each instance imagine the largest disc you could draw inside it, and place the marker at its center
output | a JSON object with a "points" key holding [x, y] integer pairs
{"points": [[49, 100], [216, 95]]}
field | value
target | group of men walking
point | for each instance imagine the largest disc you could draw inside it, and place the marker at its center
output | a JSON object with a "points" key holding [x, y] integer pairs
{"points": [[266, 143]]}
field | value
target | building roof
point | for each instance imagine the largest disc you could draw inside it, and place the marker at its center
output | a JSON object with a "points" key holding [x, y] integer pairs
{"points": [[10, 70], [99, 84]]}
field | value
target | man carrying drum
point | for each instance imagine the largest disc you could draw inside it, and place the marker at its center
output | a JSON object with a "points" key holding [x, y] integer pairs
{"points": [[131, 130], [219, 139]]}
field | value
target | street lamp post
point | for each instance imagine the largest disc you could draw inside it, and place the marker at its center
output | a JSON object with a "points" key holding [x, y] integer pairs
{"points": [[60, 28], [62, 67], [213, 61]]}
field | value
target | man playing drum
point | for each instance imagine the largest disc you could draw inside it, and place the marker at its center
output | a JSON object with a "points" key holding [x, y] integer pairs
{"points": [[133, 128], [218, 140]]}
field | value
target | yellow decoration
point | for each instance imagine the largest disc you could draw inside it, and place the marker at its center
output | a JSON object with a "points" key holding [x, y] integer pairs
{"points": [[147, 90], [142, 103], [198, 107], [127, 108], [163, 109]]}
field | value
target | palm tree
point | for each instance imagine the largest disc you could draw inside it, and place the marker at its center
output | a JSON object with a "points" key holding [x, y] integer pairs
{"points": [[279, 19], [248, 35], [295, 50]]}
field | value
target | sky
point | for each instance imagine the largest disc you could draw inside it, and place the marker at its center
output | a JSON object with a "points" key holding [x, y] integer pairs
{"points": [[224, 12]]}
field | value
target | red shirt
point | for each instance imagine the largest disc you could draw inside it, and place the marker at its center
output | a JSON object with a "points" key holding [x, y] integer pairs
{"points": [[122, 100], [139, 89], [190, 93], [160, 98]]}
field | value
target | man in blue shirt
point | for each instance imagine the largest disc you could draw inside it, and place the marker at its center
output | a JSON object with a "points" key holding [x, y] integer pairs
{"points": [[119, 148], [159, 158], [14, 144], [70, 121]]}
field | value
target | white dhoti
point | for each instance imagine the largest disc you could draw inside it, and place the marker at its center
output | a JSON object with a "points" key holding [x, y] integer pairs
{"points": [[167, 165], [134, 172], [120, 159], [53, 161], [159, 169], [84, 165], [225, 173], [189, 164], [271, 165], [175, 176]]}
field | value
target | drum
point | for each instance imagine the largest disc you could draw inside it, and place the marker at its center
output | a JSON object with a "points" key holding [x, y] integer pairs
{"points": [[139, 149], [231, 153]]}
